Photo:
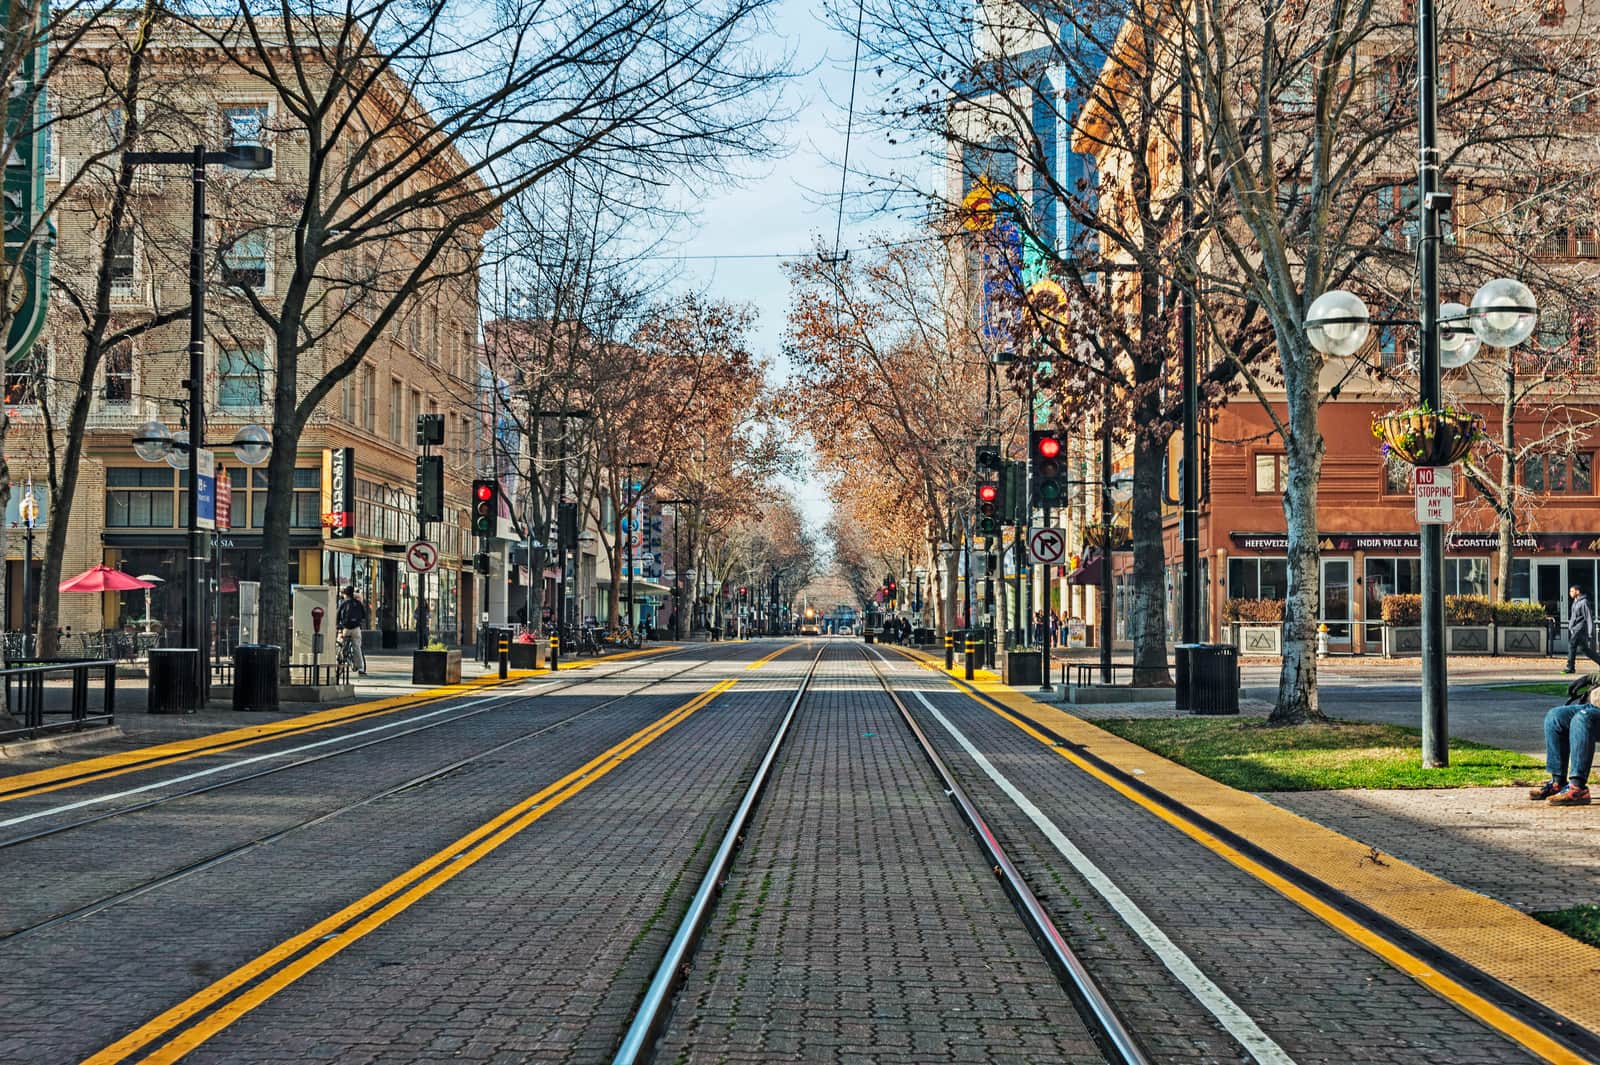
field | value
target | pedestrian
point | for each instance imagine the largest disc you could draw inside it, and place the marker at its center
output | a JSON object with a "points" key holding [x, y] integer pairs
{"points": [[1580, 629], [1570, 731], [351, 617]]}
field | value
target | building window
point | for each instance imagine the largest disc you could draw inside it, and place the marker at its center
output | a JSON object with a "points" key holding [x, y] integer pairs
{"points": [[1559, 474], [1258, 578], [1466, 576], [347, 399], [369, 399], [1272, 473], [239, 374], [124, 264], [119, 374], [244, 261], [141, 497], [27, 377], [1396, 477], [307, 513], [396, 412]]}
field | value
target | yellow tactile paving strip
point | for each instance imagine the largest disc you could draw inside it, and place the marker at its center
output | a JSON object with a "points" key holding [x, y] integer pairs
{"points": [[1548, 966], [87, 770]]}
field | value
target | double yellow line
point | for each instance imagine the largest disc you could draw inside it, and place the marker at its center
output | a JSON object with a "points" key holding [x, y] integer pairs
{"points": [[90, 770], [250, 985]]}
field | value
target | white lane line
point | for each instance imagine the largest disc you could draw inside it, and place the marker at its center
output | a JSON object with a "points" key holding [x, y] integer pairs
{"points": [[81, 803], [1227, 1012]]}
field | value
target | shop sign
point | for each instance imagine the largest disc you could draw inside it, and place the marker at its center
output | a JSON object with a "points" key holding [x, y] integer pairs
{"points": [[338, 492], [1474, 541]]}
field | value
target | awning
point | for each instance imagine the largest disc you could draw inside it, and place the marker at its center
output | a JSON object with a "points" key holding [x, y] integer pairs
{"points": [[640, 586], [1089, 573]]}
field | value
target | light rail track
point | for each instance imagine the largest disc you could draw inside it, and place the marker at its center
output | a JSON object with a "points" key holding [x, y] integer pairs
{"points": [[233, 851], [1111, 1035]]}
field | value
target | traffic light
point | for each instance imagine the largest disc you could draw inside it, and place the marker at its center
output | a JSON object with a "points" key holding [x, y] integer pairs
{"points": [[430, 489], [1048, 469], [989, 508], [430, 430], [988, 460], [485, 506], [567, 525], [480, 562]]}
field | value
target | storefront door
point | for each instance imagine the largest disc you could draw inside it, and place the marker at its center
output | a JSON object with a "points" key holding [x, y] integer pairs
{"points": [[1336, 573], [388, 604]]}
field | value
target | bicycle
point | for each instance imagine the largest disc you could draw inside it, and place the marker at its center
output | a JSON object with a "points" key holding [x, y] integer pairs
{"points": [[346, 658]]}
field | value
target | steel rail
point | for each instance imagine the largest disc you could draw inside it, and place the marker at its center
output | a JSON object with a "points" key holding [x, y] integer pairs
{"points": [[651, 1015], [311, 759], [1099, 1016], [229, 853]]}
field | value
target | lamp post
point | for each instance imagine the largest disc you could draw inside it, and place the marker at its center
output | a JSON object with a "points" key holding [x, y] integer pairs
{"points": [[240, 156], [677, 564]]}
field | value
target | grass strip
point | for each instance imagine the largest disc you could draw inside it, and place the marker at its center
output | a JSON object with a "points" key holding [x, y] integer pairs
{"points": [[1580, 922], [1554, 687], [1253, 756]]}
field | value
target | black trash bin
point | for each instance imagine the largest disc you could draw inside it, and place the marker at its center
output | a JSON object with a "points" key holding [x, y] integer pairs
{"points": [[174, 681], [1208, 678], [255, 677]]}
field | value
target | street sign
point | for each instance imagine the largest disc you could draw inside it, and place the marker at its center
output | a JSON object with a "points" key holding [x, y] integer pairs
{"points": [[1435, 490], [1047, 545], [422, 556], [206, 497]]}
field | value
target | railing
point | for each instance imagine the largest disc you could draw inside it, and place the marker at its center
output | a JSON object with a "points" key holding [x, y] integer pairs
{"points": [[29, 697], [320, 674]]}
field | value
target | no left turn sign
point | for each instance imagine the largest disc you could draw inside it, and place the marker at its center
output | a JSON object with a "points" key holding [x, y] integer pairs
{"points": [[1047, 546], [422, 556]]}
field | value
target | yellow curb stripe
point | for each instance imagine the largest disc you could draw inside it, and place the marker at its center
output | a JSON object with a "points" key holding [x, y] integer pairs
{"points": [[1452, 991], [393, 898], [90, 770]]}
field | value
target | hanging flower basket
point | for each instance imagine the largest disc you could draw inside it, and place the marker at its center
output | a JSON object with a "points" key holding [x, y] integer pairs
{"points": [[1426, 437], [1121, 537]]}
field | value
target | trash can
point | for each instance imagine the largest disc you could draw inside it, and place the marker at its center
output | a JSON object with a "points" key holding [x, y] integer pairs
{"points": [[174, 681], [255, 677], [1208, 678]]}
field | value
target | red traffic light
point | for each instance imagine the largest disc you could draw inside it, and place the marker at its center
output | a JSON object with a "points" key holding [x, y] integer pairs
{"points": [[485, 493], [1049, 447], [988, 493]]}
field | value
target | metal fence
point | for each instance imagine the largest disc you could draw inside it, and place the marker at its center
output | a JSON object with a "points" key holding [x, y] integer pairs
{"points": [[53, 696]]}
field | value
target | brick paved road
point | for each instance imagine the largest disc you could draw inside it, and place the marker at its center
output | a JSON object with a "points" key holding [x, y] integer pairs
{"points": [[1321, 998], [861, 923], [459, 974]]}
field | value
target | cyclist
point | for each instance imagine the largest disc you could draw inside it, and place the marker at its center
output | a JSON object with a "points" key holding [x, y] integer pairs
{"points": [[351, 617]]}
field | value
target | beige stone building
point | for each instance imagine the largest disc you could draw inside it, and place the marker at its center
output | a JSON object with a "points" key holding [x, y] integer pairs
{"points": [[131, 514]]}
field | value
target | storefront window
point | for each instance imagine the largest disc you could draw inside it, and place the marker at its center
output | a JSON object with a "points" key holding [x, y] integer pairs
{"points": [[1258, 578], [1521, 585], [140, 497], [1466, 576]]}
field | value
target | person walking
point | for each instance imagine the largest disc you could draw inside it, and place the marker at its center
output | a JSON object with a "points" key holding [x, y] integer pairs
{"points": [[351, 618], [1580, 629]]}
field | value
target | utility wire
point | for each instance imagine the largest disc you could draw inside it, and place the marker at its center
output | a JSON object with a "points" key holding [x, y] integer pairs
{"points": [[849, 128]]}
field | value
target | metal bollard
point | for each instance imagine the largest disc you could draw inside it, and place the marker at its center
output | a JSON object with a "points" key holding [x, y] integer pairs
{"points": [[505, 657], [555, 652], [949, 651], [972, 652]]}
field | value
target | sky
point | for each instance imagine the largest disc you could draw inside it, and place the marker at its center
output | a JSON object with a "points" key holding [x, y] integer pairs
{"points": [[785, 205]]}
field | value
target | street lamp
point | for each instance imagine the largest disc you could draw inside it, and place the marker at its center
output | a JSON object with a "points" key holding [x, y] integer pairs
{"points": [[1503, 314], [249, 156]]}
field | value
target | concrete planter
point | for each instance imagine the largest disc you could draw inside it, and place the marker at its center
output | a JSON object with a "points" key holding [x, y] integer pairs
{"points": [[1256, 639], [435, 668], [1402, 640], [1469, 639], [1522, 640], [526, 655]]}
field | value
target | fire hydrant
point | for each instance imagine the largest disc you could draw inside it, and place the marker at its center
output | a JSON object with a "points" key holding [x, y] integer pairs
{"points": [[1322, 641]]}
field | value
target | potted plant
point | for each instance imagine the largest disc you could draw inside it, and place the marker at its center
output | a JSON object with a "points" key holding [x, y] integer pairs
{"points": [[1469, 624], [1423, 436], [1402, 625], [1257, 625], [435, 665], [526, 652], [1520, 628]]}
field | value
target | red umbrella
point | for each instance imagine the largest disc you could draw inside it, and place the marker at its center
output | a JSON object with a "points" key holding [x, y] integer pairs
{"points": [[103, 579]]}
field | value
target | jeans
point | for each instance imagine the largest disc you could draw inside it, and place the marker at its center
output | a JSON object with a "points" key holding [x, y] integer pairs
{"points": [[1580, 643], [358, 652], [1569, 734]]}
